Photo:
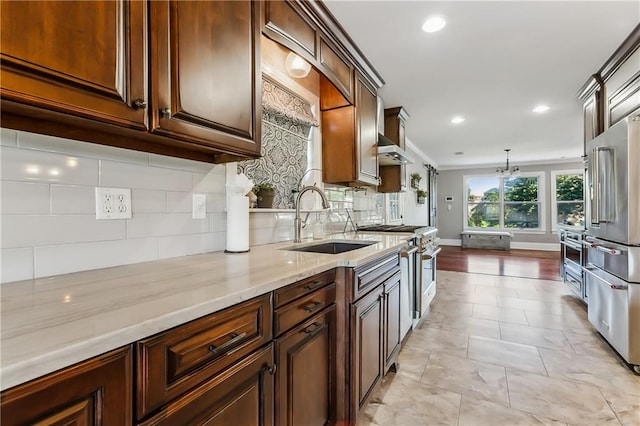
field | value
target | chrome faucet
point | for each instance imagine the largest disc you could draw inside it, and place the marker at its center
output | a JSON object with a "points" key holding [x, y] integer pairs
{"points": [[298, 221]]}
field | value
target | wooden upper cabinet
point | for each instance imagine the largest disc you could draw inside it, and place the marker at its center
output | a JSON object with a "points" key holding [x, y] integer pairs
{"points": [[367, 146], [394, 178], [84, 58], [284, 22], [94, 392], [206, 74], [349, 140], [337, 69]]}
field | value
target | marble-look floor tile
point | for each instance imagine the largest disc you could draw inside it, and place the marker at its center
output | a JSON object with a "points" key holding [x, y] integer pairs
{"points": [[535, 336], [470, 326], [468, 297], [477, 412], [565, 321], [626, 407], [499, 314], [434, 339], [598, 371], [589, 344], [449, 308], [564, 400], [496, 291], [524, 304], [412, 360], [402, 401], [467, 377], [463, 277], [507, 354]]}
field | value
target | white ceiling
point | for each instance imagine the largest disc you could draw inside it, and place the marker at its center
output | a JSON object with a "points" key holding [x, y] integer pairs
{"points": [[492, 63]]}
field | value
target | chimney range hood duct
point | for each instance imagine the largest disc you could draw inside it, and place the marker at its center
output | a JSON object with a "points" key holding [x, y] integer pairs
{"points": [[389, 154]]}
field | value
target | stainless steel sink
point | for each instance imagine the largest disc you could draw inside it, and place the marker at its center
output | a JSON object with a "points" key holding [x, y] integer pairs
{"points": [[332, 247]]}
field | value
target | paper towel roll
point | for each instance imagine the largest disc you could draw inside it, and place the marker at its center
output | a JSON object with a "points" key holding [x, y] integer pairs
{"points": [[237, 224]]}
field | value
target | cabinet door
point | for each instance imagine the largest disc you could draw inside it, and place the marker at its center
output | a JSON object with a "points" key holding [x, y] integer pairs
{"points": [[241, 395], [85, 58], [206, 74], [367, 133], [367, 362], [392, 320], [305, 380], [593, 116], [94, 392]]}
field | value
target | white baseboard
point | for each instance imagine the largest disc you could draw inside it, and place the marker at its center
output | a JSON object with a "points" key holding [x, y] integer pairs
{"points": [[514, 245], [536, 246]]}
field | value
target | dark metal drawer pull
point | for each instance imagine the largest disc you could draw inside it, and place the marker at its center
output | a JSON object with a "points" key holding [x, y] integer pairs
{"points": [[235, 338], [314, 285], [313, 306], [314, 328]]}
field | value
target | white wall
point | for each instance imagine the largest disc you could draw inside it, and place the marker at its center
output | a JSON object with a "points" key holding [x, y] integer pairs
{"points": [[414, 213], [450, 222]]}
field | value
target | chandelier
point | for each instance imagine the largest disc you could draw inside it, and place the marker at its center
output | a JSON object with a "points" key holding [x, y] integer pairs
{"points": [[508, 171]]}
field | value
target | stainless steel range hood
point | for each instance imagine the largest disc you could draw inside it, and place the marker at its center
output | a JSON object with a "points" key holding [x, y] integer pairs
{"points": [[390, 154]]}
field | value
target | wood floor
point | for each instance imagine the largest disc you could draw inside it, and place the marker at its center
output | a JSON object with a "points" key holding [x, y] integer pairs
{"points": [[513, 263]]}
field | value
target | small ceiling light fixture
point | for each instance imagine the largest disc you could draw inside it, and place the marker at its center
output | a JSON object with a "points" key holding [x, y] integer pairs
{"points": [[508, 171], [433, 24], [296, 66], [458, 153], [541, 108], [457, 119]]}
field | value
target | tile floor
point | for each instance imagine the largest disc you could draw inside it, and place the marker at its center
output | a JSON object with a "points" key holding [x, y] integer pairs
{"points": [[510, 351]]}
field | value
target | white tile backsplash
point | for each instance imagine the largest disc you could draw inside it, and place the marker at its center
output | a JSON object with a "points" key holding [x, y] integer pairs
{"points": [[48, 206], [72, 199], [16, 264], [8, 137], [157, 225], [38, 230], [39, 166], [24, 197], [65, 258], [127, 175]]}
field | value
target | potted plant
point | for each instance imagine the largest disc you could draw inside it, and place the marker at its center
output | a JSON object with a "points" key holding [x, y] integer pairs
{"points": [[265, 193], [421, 195], [415, 180]]}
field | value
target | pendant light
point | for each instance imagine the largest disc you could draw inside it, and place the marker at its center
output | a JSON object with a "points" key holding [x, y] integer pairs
{"points": [[508, 171]]}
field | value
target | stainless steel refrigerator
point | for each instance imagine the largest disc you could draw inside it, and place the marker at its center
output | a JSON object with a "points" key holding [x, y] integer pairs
{"points": [[612, 270]]}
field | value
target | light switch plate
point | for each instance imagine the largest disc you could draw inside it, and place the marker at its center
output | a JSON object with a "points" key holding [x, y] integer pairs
{"points": [[199, 206], [113, 203]]}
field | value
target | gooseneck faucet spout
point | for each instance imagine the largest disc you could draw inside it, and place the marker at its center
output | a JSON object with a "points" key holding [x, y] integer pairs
{"points": [[298, 221]]}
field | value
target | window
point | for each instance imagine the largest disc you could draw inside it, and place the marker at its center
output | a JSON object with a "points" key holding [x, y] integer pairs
{"points": [[504, 202], [567, 188]]}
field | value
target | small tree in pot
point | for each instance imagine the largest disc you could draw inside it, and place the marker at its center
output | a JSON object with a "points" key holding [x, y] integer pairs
{"points": [[265, 193]]}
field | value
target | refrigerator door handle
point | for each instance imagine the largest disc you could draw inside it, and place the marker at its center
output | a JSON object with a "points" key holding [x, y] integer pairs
{"points": [[595, 186], [589, 270]]}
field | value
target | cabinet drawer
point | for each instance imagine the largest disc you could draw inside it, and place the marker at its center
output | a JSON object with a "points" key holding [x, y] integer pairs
{"points": [[303, 308], [175, 361], [240, 395], [306, 286], [372, 274]]}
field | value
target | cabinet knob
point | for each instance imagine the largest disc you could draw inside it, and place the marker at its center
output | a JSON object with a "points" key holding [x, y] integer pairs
{"points": [[271, 369], [165, 112], [139, 104]]}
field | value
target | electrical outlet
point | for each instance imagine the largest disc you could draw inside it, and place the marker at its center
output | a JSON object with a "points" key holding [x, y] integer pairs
{"points": [[199, 206], [113, 203]]}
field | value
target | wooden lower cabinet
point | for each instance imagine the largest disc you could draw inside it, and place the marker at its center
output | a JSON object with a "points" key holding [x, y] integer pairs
{"points": [[305, 357], [392, 338], [94, 392], [368, 334], [241, 395]]}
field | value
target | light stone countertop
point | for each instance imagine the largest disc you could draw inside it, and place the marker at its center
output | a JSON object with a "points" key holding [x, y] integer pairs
{"points": [[54, 322]]}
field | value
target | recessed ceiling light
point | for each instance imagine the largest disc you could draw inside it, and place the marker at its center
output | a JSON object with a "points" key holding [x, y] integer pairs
{"points": [[541, 108], [433, 24], [458, 153], [457, 119]]}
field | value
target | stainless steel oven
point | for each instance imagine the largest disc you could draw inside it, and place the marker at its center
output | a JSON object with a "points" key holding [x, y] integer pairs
{"points": [[573, 255]]}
